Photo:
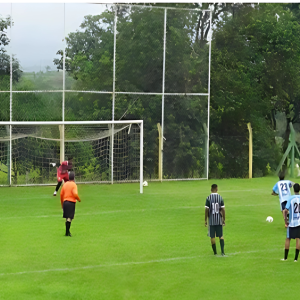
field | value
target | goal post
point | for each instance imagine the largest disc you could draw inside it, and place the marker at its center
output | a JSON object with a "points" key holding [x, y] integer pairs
{"points": [[29, 151]]}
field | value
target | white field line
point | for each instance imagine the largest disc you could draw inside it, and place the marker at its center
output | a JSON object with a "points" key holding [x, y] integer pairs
{"points": [[251, 190], [131, 263], [124, 211], [226, 191], [206, 193]]}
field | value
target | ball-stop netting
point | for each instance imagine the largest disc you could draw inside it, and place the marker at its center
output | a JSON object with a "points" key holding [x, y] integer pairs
{"points": [[36, 152]]}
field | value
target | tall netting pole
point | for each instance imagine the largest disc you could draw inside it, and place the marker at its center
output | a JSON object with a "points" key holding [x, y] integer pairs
{"points": [[141, 156], [62, 127], [159, 152], [163, 95], [10, 154], [10, 103], [208, 104], [250, 149], [113, 100], [62, 142]]}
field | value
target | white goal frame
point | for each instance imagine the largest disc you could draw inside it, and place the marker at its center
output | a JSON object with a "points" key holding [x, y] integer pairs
{"points": [[42, 123]]}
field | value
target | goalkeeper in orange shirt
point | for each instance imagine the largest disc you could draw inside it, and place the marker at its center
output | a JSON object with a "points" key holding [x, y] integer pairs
{"points": [[68, 198]]}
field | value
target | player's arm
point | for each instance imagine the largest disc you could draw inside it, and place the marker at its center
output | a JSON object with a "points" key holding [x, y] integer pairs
{"points": [[64, 167], [207, 204], [75, 194], [223, 214], [62, 196], [222, 211], [285, 212], [275, 190], [206, 215], [77, 197], [70, 166]]}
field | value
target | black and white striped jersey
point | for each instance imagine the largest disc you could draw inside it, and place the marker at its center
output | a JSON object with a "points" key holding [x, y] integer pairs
{"points": [[214, 202]]}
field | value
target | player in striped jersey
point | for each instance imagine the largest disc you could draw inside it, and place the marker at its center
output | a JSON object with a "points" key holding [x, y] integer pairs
{"points": [[215, 211], [293, 229], [282, 188]]}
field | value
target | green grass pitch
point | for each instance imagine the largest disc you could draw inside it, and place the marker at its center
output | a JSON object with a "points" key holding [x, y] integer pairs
{"points": [[152, 246]]}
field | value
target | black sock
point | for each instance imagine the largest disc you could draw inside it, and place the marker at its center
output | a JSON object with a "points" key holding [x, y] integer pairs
{"points": [[222, 243], [68, 225], [214, 248], [296, 254], [58, 186], [286, 253]]}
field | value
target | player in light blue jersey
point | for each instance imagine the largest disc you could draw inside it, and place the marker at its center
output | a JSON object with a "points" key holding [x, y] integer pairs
{"points": [[293, 229], [283, 189]]}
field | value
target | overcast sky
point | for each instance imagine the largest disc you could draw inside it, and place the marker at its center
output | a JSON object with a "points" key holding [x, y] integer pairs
{"points": [[38, 29]]}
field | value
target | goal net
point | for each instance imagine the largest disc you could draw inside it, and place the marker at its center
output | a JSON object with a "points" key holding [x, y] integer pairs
{"points": [[101, 152]]}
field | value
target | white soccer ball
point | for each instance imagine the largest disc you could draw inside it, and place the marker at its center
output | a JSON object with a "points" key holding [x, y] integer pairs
{"points": [[269, 219], [53, 164], [145, 183]]}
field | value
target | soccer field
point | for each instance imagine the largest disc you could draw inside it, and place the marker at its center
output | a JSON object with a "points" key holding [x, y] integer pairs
{"points": [[151, 246]]}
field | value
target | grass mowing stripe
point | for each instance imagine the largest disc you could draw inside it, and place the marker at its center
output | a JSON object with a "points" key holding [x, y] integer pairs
{"points": [[23, 199], [121, 196], [123, 211], [131, 263]]}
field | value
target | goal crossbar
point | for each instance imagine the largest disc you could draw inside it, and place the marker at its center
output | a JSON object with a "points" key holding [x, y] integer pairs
{"points": [[18, 123]]}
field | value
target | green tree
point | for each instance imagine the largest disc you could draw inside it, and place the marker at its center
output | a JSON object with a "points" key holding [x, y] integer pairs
{"points": [[5, 58], [255, 70]]}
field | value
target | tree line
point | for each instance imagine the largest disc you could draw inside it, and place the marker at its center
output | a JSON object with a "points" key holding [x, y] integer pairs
{"points": [[254, 77]]}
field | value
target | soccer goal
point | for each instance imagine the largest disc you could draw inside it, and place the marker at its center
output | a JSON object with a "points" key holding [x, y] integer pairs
{"points": [[102, 151]]}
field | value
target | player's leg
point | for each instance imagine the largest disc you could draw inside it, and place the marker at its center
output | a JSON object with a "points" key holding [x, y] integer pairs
{"points": [[70, 216], [212, 234], [60, 178], [222, 244], [68, 226], [297, 250], [59, 182], [287, 244], [297, 237], [219, 234], [69, 211], [213, 245], [286, 248]]}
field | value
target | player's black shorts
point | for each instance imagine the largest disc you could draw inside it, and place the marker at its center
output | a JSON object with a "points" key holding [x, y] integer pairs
{"points": [[69, 209], [283, 204], [293, 232], [215, 231]]}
